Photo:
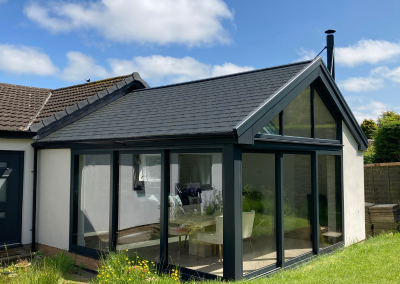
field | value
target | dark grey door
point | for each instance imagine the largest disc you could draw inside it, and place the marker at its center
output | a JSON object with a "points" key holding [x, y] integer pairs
{"points": [[11, 178]]}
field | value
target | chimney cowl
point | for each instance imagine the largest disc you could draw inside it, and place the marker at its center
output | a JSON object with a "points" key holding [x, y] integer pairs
{"points": [[330, 31]]}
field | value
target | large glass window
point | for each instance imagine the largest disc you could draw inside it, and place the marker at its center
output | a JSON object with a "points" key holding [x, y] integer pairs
{"points": [[91, 201], [3, 190], [195, 207], [297, 115], [258, 205], [297, 190], [325, 124], [139, 204], [272, 127], [330, 204]]}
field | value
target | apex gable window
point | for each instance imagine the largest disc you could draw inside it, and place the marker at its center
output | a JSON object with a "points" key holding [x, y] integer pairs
{"points": [[297, 115], [305, 116]]}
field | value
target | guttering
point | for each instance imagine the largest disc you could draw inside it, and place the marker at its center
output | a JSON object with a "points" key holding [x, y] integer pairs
{"points": [[317, 59], [33, 245], [17, 134]]}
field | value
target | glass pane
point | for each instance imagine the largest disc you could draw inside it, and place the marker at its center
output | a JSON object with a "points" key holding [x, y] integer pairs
{"points": [[139, 204], [3, 164], [272, 127], [297, 204], [92, 201], [2, 215], [330, 205], [325, 124], [3, 190], [258, 204], [297, 115], [195, 212]]}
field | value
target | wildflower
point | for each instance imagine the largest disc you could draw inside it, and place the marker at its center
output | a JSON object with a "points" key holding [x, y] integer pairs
{"points": [[126, 250]]}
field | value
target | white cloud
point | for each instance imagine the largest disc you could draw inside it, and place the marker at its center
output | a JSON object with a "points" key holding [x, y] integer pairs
{"points": [[306, 54], [391, 74], [166, 69], [189, 22], [361, 84], [367, 51], [369, 111], [25, 60], [81, 66]]}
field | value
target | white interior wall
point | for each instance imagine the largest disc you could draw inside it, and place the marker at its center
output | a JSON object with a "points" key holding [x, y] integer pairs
{"points": [[24, 145], [216, 173], [53, 197], [353, 181]]}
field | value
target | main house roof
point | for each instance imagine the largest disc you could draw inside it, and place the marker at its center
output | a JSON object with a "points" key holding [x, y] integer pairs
{"points": [[23, 106], [235, 105]]}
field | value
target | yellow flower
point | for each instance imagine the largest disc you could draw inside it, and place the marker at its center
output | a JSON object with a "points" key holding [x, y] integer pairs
{"points": [[125, 259], [108, 275], [126, 250]]}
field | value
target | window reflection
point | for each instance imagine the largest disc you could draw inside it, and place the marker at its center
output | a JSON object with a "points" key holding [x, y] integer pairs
{"points": [[195, 207], [139, 204], [330, 206], [258, 205], [298, 206], [91, 209]]}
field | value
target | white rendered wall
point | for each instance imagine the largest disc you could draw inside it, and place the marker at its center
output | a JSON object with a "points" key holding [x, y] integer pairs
{"points": [[353, 181], [53, 197], [25, 146]]}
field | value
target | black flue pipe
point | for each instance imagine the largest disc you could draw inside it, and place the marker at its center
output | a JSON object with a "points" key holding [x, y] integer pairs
{"points": [[330, 50]]}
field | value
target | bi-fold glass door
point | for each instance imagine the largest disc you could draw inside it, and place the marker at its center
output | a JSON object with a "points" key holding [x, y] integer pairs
{"points": [[286, 221]]}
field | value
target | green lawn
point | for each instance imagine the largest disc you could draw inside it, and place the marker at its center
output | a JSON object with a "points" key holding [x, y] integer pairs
{"points": [[376, 260]]}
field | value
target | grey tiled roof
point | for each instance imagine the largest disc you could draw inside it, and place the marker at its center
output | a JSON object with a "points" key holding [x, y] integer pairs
{"points": [[213, 105]]}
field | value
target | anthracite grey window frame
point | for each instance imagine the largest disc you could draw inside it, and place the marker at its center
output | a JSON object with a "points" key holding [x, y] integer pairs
{"points": [[232, 171]]}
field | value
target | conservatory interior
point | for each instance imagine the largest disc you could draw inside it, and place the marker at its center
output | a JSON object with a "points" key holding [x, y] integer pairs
{"points": [[289, 197]]}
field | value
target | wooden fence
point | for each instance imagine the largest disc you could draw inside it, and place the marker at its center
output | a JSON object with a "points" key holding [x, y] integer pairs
{"points": [[382, 183]]}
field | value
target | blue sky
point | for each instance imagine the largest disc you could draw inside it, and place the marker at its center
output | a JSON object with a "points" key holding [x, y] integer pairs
{"points": [[54, 44]]}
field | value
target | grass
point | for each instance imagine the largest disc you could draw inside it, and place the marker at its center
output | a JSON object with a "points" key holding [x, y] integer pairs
{"points": [[377, 260], [374, 261]]}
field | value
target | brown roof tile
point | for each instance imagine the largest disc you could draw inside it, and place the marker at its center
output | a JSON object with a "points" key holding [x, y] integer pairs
{"points": [[65, 97], [22, 106], [19, 105]]}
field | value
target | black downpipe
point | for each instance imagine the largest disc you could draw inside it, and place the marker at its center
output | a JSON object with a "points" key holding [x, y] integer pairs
{"points": [[330, 48], [33, 245]]}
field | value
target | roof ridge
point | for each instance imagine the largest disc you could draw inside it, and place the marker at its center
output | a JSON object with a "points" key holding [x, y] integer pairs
{"points": [[25, 86], [48, 122], [90, 83], [316, 59], [230, 75]]}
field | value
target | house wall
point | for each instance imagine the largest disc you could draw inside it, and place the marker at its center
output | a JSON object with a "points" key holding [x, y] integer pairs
{"points": [[353, 188], [53, 197], [24, 145]]}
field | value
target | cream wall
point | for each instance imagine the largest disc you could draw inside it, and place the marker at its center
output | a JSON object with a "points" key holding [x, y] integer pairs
{"points": [[24, 145], [353, 181], [53, 197]]}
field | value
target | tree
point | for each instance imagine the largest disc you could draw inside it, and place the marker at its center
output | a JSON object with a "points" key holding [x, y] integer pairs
{"points": [[387, 142], [369, 126], [387, 116]]}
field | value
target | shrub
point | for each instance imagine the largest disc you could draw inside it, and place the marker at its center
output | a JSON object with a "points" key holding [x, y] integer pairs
{"points": [[369, 126], [387, 116], [387, 142], [369, 155]]}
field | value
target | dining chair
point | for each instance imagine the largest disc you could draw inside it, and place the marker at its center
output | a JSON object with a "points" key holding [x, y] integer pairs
{"points": [[217, 237]]}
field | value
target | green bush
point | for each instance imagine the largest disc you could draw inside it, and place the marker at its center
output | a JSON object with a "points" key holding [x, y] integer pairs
{"points": [[369, 126], [369, 155], [387, 142]]}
